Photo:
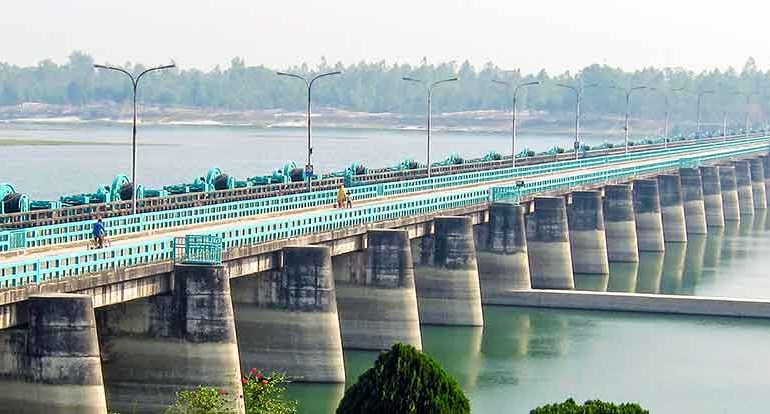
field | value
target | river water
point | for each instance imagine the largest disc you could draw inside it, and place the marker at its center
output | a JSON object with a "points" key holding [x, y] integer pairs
{"points": [[522, 357]]}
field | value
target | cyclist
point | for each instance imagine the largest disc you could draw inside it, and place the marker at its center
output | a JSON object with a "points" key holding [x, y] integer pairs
{"points": [[99, 232], [342, 195]]}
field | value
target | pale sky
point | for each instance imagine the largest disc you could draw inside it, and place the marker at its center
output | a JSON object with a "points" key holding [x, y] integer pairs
{"points": [[556, 35]]}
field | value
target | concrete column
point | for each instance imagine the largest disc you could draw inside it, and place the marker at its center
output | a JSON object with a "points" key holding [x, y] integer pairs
{"points": [[672, 208], [766, 169], [156, 347], [712, 196], [619, 223], [743, 185], [53, 366], [378, 306], [447, 282], [503, 261], [287, 320], [550, 261], [649, 224], [727, 181], [586, 233], [759, 194], [692, 199]]}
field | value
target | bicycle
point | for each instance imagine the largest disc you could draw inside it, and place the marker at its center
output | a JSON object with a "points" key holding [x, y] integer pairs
{"points": [[92, 244]]}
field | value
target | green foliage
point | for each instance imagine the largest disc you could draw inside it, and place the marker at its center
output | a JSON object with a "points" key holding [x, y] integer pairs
{"points": [[590, 407], [264, 394], [204, 400], [378, 87], [404, 381]]}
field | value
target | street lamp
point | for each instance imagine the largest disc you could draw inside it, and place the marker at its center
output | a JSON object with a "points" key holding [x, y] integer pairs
{"points": [[748, 105], [697, 110], [135, 83], [309, 83], [628, 92], [429, 92], [513, 133], [666, 113], [578, 96]]}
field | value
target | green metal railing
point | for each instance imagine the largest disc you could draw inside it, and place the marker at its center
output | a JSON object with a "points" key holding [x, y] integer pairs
{"points": [[163, 249], [203, 249]]}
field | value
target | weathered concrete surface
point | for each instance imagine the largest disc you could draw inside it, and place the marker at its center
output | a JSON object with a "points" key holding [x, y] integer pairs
{"points": [[446, 274], [502, 252], [53, 366], [730, 205], [550, 259], [646, 303], [376, 297], [672, 208], [649, 224], [153, 348], [712, 196], [287, 321], [586, 234], [759, 194], [692, 200], [619, 223], [743, 186]]}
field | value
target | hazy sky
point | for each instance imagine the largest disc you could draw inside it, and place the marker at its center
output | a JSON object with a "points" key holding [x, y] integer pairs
{"points": [[555, 35]]}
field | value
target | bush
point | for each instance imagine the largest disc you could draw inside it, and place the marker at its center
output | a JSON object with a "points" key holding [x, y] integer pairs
{"points": [[261, 394], [590, 407], [404, 380]]}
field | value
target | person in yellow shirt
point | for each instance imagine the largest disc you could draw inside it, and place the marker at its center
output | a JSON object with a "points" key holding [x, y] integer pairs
{"points": [[342, 195]]}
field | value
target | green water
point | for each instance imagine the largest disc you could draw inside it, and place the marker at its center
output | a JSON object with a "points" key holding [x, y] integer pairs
{"points": [[525, 357]]}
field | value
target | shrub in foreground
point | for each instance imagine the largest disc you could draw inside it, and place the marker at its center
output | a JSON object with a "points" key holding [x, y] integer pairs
{"points": [[590, 407], [404, 381]]}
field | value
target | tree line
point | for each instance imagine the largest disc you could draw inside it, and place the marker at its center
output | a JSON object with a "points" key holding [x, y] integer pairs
{"points": [[378, 87]]}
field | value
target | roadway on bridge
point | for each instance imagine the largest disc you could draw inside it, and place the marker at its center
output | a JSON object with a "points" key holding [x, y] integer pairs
{"points": [[64, 249]]}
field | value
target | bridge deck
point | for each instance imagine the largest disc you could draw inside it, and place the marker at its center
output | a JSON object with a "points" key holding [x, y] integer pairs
{"points": [[64, 249]]}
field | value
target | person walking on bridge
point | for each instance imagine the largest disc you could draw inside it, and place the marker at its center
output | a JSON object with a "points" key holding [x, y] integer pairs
{"points": [[342, 195], [99, 232]]}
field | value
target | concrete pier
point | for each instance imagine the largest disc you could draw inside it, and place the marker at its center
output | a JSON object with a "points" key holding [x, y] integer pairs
{"points": [[672, 208], [758, 191], [53, 366], [692, 199], [156, 347], [743, 186], [378, 305], [619, 224], [586, 233], [550, 261], [730, 207], [287, 320], [712, 196], [766, 169], [446, 275], [649, 224], [503, 259]]}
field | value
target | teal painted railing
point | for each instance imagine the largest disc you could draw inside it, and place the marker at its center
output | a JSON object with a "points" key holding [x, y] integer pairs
{"points": [[202, 249], [80, 263], [43, 236]]}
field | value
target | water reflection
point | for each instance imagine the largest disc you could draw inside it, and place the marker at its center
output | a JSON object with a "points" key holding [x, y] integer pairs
{"points": [[693, 262], [650, 272], [596, 283], [511, 334], [457, 348], [714, 242], [673, 268], [623, 277]]}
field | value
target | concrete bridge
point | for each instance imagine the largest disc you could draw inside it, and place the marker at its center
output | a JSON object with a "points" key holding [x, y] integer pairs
{"points": [[183, 302]]}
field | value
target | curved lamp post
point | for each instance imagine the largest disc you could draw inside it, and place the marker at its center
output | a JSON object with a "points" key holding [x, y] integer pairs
{"points": [[309, 84], [627, 92], [135, 84], [701, 94], [578, 97], [513, 127], [429, 92]]}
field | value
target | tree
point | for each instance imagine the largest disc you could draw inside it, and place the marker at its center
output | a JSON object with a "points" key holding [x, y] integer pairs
{"points": [[590, 407], [404, 380]]}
